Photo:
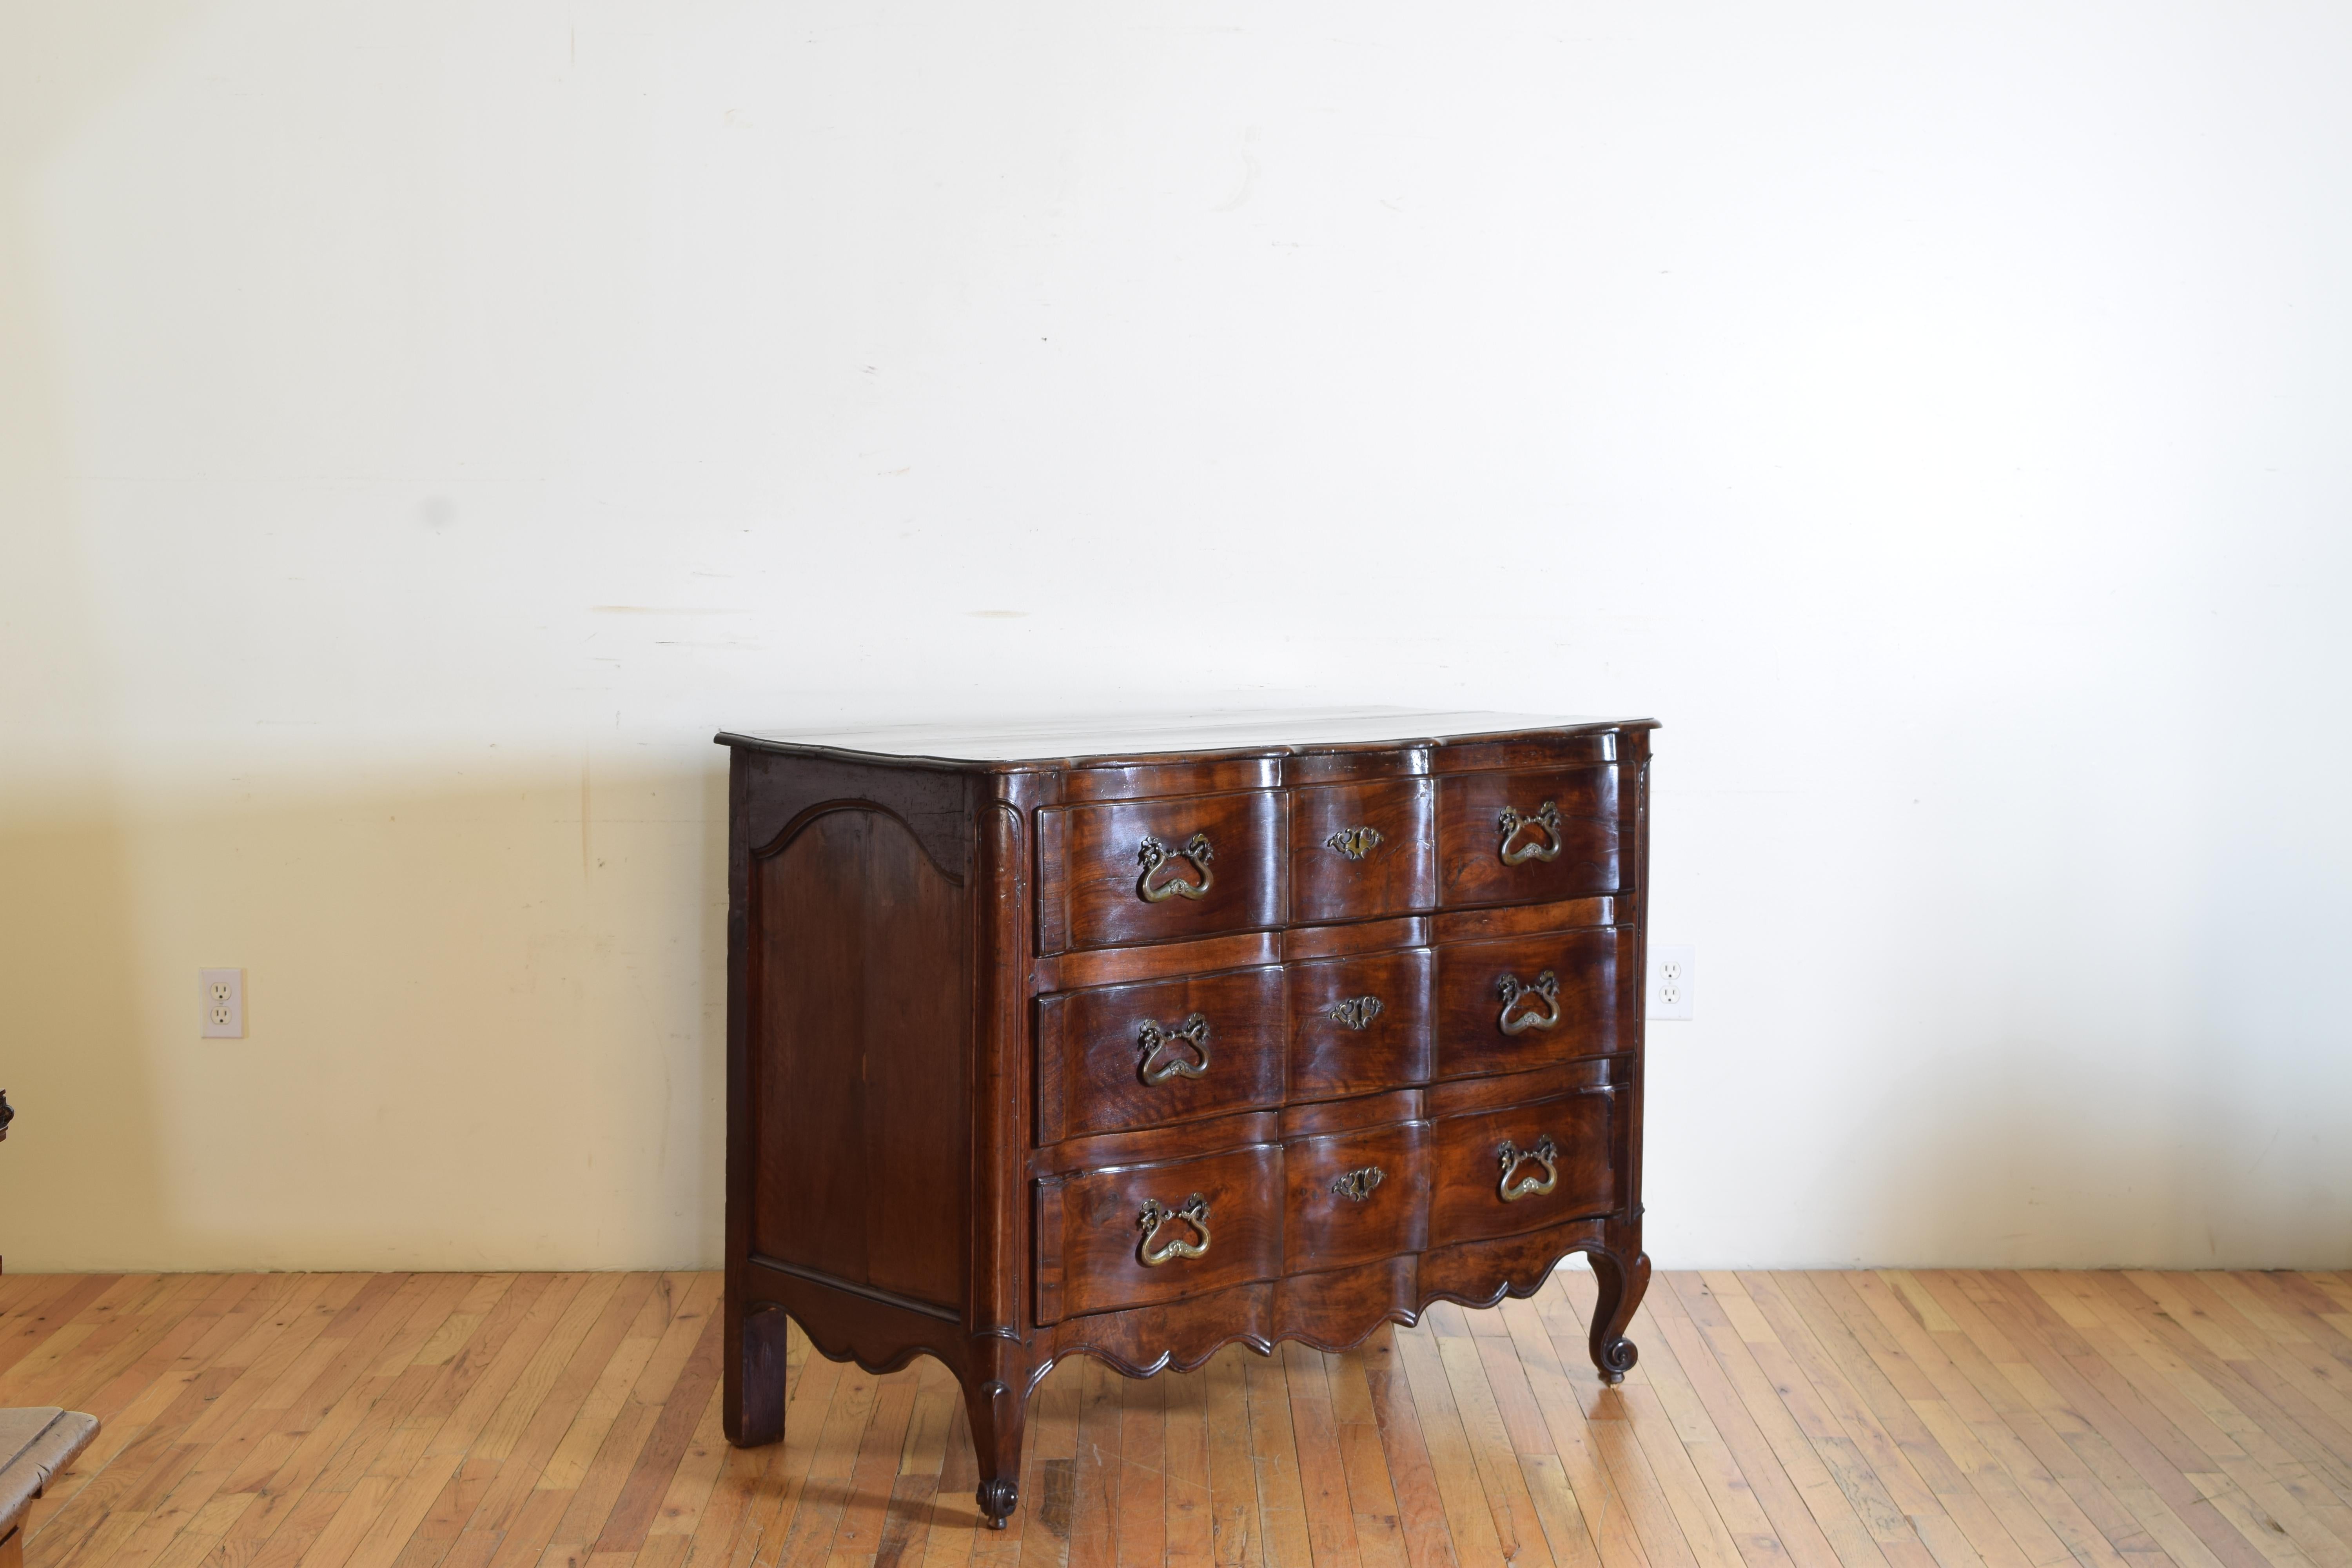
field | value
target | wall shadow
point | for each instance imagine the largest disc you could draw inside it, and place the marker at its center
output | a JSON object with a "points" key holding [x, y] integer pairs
{"points": [[64, 889], [486, 1028]]}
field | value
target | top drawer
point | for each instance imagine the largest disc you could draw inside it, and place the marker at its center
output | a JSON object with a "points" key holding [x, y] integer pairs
{"points": [[1160, 870], [1527, 837]]}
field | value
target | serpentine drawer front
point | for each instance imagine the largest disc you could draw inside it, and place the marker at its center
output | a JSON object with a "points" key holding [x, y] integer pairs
{"points": [[1138, 1041]]}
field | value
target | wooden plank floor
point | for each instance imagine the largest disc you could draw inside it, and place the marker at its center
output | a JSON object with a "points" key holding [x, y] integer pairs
{"points": [[1853, 1420]]}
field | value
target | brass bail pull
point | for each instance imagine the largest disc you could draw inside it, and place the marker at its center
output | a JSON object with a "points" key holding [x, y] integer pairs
{"points": [[1543, 998], [1193, 1031], [1156, 1217], [1511, 1157], [1546, 820], [1175, 885]]}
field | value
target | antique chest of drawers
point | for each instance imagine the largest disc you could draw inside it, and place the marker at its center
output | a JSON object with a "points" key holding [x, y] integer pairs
{"points": [[1140, 1042]]}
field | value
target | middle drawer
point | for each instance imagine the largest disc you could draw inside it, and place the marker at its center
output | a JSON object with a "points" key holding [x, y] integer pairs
{"points": [[1112, 1058]]}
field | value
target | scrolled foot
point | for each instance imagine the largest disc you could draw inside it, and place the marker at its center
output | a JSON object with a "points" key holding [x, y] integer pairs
{"points": [[997, 1500], [1622, 1276]]}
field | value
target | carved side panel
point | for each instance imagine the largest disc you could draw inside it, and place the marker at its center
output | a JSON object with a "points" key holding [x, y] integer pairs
{"points": [[859, 1052]]}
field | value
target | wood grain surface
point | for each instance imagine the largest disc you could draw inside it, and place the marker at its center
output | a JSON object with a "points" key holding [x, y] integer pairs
{"points": [[1889, 1419]]}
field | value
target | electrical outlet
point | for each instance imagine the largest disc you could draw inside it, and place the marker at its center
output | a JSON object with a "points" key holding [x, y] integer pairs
{"points": [[222, 994], [1673, 979]]}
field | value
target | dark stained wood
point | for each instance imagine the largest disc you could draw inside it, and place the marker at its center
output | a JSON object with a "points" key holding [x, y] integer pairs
{"points": [[1302, 942], [1355, 1197], [941, 1140], [1543, 750], [1362, 850], [1571, 817], [1144, 780], [1159, 1143], [1343, 764], [1093, 874], [1527, 919], [1124, 1056], [1093, 1242], [1465, 1096], [1118, 965], [1564, 996], [1322, 1117], [1360, 1025], [858, 977], [1467, 1203]]}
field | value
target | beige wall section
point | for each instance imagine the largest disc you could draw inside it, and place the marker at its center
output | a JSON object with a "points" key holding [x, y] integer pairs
{"points": [[483, 1030], [1935, 415]]}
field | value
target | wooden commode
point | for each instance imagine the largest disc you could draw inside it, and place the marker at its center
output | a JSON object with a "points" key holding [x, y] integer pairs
{"points": [[1137, 1039]]}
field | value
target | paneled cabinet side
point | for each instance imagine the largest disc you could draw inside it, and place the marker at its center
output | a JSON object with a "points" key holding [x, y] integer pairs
{"points": [[852, 917]]}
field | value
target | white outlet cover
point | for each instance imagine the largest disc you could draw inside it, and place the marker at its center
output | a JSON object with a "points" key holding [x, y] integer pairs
{"points": [[1673, 982], [220, 1004]]}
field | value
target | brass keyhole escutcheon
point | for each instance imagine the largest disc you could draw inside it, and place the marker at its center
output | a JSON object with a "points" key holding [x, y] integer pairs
{"points": [[1157, 1217], [1546, 818], [1355, 842], [1175, 885], [1356, 1186], [1193, 1031], [1354, 1012]]}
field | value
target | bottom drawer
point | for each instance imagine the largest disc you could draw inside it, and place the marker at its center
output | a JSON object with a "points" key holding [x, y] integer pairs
{"points": [[1525, 1167], [1145, 1234], [1356, 1196]]}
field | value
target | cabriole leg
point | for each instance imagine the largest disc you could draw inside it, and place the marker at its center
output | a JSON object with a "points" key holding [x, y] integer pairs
{"points": [[1623, 1273], [753, 1409], [998, 1413]]}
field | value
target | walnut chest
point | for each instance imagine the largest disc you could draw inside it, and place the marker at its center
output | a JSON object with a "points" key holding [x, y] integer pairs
{"points": [[1137, 1040]]}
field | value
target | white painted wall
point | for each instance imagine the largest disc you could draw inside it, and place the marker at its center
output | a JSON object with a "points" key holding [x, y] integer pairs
{"points": [[422, 426]]}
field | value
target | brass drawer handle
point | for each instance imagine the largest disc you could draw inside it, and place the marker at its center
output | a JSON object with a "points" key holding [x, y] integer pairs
{"points": [[1195, 1213], [1545, 1154], [1512, 991], [1355, 842], [1194, 1031], [1547, 816], [1357, 1185], [1355, 1013], [1154, 854]]}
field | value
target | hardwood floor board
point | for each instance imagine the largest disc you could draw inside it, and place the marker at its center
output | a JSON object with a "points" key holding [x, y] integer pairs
{"points": [[1889, 1419], [1233, 1473], [53, 1312], [1188, 1518], [2279, 1438], [1832, 1512], [1411, 1476], [1603, 1527], [1792, 1519], [1979, 1494], [2136, 1434], [804, 1537], [1694, 1431], [525, 1432], [1363, 1465], [873, 1474], [684, 1409], [1140, 1528], [2012, 1427], [1492, 1448], [1282, 1524], [1470, 1521]]}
